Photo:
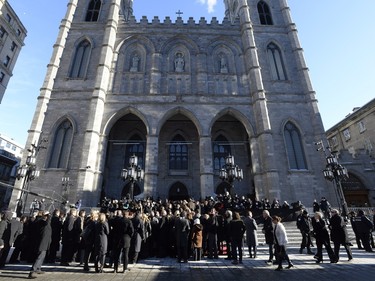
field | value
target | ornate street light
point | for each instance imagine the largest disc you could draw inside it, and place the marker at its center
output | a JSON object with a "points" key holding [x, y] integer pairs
{"points": [[336, 173], [230, 172], [29, 172], [133, 173]]}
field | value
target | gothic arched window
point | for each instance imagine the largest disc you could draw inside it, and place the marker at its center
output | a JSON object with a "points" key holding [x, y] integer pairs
{"points": [[264, 13], [93, 10], [294, 147], [276, 62], [178, 154], [135, 147], [61, 146], [81, 60], [221, 150]]}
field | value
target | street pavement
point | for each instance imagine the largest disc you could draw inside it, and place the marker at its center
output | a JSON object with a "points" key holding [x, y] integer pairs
{"points": [[362, 267]]}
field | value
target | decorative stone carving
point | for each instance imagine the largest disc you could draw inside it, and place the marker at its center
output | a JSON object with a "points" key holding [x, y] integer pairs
{"points": [[127, 9], [135, 63], [179, 62]]}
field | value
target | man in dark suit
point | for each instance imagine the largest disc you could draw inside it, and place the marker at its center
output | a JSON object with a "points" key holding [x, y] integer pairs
{"points": [[44, 234], [182, 237], [123, 231]]}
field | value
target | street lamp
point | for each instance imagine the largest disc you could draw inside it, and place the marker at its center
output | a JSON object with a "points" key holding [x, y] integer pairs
{"points": [[230, 172], [30, 172], [133, 173], [336, 173]]}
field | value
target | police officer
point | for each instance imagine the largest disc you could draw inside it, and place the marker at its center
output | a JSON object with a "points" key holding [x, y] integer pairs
{"points": [[364, 227]]}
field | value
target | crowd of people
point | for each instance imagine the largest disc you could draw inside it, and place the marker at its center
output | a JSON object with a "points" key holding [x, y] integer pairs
{"points": [[120, 232]]}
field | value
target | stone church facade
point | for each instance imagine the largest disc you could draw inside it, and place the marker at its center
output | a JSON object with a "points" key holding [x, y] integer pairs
{"points": [[181, 96]]}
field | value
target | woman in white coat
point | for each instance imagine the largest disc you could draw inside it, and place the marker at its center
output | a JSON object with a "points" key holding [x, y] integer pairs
{"points": [[281, 240]]}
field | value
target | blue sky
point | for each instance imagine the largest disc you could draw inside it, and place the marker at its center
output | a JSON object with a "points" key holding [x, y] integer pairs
{"points": [[336, 35]]}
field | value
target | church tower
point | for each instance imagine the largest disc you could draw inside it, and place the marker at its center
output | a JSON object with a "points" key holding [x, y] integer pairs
{"points": [[181, 96]]}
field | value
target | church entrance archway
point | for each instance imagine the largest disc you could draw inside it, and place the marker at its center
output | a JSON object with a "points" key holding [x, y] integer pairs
{"points": [[127, 138], [230, 137], [355, 192], [178, 191], [222, 188], [126, 190]]}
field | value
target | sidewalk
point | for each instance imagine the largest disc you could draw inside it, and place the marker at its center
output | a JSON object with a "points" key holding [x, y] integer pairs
{"points": [[362, 267]]}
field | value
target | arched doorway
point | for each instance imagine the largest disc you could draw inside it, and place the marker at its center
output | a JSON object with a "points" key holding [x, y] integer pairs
{"points": [[178, 191], [222, 188], [126, 190], [356, 193], [127, 137]]}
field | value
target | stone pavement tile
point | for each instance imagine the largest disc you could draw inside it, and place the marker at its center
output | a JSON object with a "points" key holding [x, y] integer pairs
{"points": [[362, 267]]}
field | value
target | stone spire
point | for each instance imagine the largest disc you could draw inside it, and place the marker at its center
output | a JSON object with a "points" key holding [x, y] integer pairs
{"points": [[127, 9], [231, 9]]}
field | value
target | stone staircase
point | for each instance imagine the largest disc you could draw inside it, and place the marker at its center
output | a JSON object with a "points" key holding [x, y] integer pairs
{"points": [[294, 235]]}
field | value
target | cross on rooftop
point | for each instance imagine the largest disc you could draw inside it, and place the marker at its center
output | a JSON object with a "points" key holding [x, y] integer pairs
{"points": [[179, 13]]}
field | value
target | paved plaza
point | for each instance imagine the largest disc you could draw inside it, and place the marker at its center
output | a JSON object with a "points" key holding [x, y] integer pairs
{"points": [[362, 267]]}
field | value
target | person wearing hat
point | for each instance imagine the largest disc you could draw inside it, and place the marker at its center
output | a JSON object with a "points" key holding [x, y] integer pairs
{"points": [[44, 235], [303, 224], [197, 239]]}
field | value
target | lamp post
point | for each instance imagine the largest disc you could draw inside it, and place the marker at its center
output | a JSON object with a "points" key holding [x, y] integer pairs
{"points": [[336, 173], [230, 172], [133, 173], [30, 172], [65, 182]]}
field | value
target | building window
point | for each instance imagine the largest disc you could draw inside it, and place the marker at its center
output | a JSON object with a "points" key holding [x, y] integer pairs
{"points": [[81, 60], [9, 18], [8, 145], [276, 62], [346, 134], [264, 13], [61, 146], [14, 147], [93, 10], [135, 147], [2, 76], [294, 148], [18, 32], [13, 47], [368, 145], [6, 61], [2, 32], [221, 151], [361, 126], [333, 141], [178, 154]]}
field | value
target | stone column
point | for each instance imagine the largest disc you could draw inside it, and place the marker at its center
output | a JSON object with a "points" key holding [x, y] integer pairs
{"points": [[206, 166], [155, 85], [151, 166], [267, 177]]}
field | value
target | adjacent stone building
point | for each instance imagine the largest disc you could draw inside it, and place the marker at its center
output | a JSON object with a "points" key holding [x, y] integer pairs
{"points": [[181, 96], [354, 139], [12, 36]]}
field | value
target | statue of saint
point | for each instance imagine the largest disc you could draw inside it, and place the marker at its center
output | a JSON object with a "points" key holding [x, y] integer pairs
{"points": [[179, 63], [127, 9], [135, 64], [223, 65]]}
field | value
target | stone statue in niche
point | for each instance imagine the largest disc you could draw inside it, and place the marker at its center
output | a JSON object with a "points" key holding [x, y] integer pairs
{"points": [[135, 63], [223, 64], [127, 9], [179, 63]]}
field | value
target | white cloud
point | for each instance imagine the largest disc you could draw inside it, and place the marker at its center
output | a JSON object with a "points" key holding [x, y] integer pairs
{"points": [[210, 4]]}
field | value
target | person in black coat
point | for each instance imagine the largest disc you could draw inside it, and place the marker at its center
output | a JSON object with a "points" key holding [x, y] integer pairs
{"points": [[268, 233], [338, 234], [182, 226], [101, 242], [44, 234], [212, 226], [88, 238], [237, 229], [5, 236], [363, 227], [69, 238], [138, 236], [56, 226], [303, 224], [123, 231], [19, 242], [322, 238]]}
